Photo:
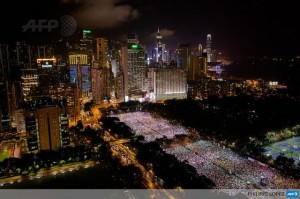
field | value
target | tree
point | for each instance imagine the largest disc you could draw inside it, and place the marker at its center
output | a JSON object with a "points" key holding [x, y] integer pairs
{"points": [[284, 162]]}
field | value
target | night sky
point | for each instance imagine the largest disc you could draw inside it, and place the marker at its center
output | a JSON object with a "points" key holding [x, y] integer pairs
{"points": [[240, 28]]}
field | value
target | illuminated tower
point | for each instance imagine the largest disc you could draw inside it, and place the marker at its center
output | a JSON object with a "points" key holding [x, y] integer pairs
{"points": [[102, 52], [133, 66], [159, 47], [80, 74], [200, 49], [208, 47]]}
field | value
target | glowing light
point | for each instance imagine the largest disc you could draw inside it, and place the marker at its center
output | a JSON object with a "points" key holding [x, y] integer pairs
{"points": [[87, 31]]}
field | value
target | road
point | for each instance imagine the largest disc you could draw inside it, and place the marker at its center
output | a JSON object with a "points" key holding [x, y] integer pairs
{"points": [[56, 170], [149, 178], [93, 120]]}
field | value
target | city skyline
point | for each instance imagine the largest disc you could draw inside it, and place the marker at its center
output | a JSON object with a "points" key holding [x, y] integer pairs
{"points": [[238, 28], [166, 95]]}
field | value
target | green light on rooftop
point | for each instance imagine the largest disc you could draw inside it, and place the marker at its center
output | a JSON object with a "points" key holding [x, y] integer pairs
{"points": [[134, 46], [87, 31]]}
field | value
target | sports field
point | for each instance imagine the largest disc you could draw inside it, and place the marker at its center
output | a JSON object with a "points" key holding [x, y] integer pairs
{"points": [[3, 155], [290, 148]]}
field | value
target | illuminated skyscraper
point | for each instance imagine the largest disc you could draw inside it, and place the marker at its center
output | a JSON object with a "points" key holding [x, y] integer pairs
{"points": [[200, 50], [100, 84], [30, 81], [133, 66], [159, 47], [46, 126], [208, 47], [86, 45], [102, 52], [197, 68], [80, 73]]}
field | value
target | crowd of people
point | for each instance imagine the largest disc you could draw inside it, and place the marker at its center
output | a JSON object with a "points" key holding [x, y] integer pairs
{"points": [[151, 128], [225, 168], [229, 170]]}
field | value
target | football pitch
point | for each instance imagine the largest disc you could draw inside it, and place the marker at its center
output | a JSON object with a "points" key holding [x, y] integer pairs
{"points": [[3, 155], [290, 148]]}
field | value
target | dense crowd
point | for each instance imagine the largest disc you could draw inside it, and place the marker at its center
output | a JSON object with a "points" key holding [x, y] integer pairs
{"points": [[151, 128], [227, 169], [224, 167]]}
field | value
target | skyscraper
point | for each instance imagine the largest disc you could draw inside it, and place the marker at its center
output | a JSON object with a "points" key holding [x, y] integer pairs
{"points": [[46, 125], [133, 61], [184, 52], [48, 128], [200, 50], [29, 81], [102, 52], [80, 73], [208, 47], [100, 84], [159, 47], [197, 68], [86, 45]]}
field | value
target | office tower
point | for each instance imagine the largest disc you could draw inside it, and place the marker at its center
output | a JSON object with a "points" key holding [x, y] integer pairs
{"points": [[168, 83], [200, 50], [119, 86], [183, 54], [48, 128], [100, 84], [49, 73], [164, 53], [86, 45], [20, 120], [46, 125], [102, 53], [193, 68], [31, 131], [69, 94], [214, 56], [29, 82], [124, 67], [208, 48], [133, 61], [80, 73], [159, 47], [197, 68], [203, 66]]}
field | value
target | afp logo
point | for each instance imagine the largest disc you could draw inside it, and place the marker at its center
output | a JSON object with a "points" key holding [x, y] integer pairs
{"points": [[292, 194], [66, 25]]}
